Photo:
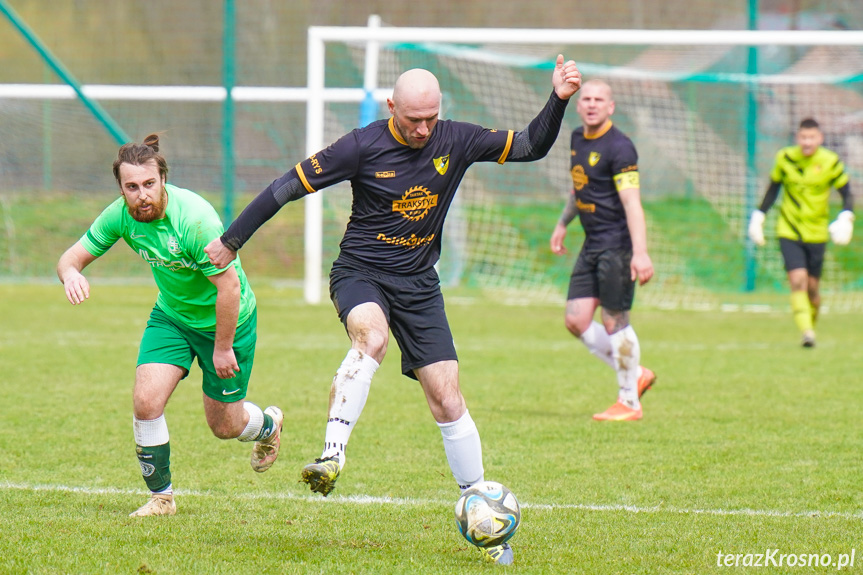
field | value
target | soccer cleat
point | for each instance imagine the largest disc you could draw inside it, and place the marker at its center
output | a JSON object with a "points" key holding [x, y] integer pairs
{"points": [[808, 338], [265, 451], [646, 379], [159, 504], [500, 554], [321, 475], [619, 412]]}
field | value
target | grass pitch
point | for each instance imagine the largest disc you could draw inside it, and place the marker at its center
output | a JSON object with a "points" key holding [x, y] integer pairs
{"points": [[749, 444]]}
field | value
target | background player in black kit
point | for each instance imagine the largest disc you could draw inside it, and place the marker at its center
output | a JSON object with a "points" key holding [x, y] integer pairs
{"points": [[404, 173], [606, 195]]}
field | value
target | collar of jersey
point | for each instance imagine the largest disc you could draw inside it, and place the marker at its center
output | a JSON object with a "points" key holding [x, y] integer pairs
{"points": [[603, 132], [394, 132]]}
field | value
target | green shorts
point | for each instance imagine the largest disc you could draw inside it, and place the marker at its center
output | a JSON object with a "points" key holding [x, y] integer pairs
{"points": [[166, 340]]}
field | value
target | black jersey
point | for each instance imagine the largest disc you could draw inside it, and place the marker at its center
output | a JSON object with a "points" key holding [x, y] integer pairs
{"points": [[602, 166], [400, 195]]}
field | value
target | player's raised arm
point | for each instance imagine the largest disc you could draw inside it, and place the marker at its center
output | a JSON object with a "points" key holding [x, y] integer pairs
{"points": [[69, 268], [535, 141]]}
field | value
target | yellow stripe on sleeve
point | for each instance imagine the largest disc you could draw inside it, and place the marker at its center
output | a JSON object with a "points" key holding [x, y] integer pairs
{"points": [[303, 179], [505, 153]]}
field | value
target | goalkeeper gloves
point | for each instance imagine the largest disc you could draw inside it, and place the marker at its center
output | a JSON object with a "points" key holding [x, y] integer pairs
{"points": [[842, 228], [756, 227]]}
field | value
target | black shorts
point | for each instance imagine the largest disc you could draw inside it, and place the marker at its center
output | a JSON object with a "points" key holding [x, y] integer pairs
{"points": [[606, 275], [413, 306], [803, 255]]}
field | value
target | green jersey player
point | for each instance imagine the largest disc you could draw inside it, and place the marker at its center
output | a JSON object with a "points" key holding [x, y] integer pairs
{"points": [[806, 172], [201, 312]]}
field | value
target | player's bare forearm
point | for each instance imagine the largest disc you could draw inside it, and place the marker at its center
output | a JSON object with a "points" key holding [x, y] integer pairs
{"points": [[69, 268], [227, 312], [570, 211], [641, 266]]}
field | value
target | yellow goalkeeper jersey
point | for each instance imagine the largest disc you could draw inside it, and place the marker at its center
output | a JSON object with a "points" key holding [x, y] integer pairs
{"points": [[806, 181]]}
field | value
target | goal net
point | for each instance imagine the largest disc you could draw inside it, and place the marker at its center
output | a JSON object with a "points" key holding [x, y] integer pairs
{"points": [[707, 111]]}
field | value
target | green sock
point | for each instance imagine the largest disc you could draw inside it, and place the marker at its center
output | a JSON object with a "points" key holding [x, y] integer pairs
{"points": [[802, 310], [266, 429], [155, 466]]}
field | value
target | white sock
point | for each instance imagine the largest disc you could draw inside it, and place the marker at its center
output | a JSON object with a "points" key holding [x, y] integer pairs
{"points": [[256, 422], [598, 342], [348, 397], [150, 432], [627, 356], [463, 450]]}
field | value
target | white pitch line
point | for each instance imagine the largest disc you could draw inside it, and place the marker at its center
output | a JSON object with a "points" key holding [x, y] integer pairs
{"points": [[375, 500]]}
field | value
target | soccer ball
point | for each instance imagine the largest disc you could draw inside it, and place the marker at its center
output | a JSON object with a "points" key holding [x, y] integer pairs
{"points": [[487, 514]]}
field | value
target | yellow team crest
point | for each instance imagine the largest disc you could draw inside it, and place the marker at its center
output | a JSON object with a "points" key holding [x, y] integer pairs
{"points": [[441, 164], [593, 158]]}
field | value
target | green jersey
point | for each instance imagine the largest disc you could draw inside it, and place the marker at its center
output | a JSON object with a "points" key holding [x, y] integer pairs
{"points": [[805, 211], [174, 248]]}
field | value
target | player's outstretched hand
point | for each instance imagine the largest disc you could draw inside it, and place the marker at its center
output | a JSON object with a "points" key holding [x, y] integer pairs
{"points": [[556, 242], [220, 255], [641, 268], [566, 78]]}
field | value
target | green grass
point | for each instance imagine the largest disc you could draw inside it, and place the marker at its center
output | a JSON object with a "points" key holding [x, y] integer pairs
{"points": [[748, 443]]}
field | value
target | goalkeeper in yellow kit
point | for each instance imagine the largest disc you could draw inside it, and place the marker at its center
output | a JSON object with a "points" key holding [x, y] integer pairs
{"points": [[806, 172]]}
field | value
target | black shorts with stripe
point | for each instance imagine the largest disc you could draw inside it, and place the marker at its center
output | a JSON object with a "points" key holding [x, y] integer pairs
{"points": [[412, 304]]}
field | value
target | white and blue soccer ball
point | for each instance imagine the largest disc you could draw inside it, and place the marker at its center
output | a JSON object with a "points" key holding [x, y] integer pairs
{"points": [[487, 514]]}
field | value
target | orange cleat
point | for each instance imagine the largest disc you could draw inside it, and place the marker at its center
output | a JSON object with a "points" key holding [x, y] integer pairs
{"points": [[646, 379], [619, 412]]}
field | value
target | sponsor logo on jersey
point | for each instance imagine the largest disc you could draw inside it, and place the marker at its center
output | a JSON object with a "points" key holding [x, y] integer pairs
{"points": [[441, 164], [587, 208], [135, 236], [173, 265], [316, 164], [173, 245], [412, 242], [389, 174], [579, 178], [593, 158], [415, 203]]}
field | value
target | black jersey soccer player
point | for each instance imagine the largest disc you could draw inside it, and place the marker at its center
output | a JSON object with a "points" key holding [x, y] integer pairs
{"points": [[404, 172], [806, 172], [607, 197]]}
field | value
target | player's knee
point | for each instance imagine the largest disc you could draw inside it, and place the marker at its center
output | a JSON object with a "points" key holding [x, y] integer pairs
{"points": [[575, 324], [372, 342]]}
